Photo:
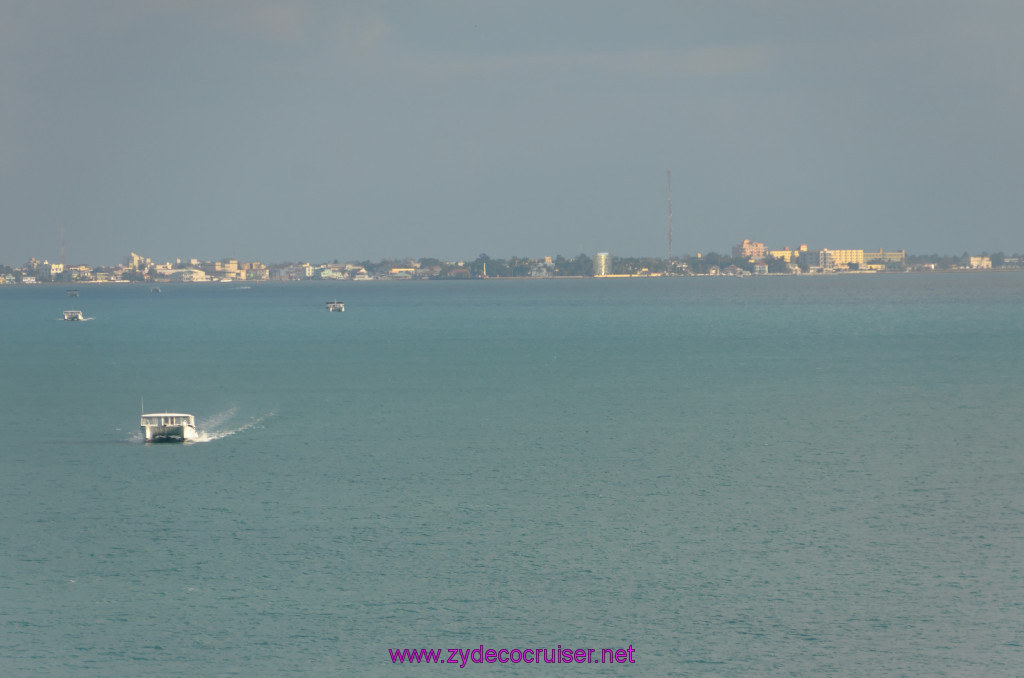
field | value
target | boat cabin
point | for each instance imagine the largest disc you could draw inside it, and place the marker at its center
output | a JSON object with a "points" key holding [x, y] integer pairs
{"points": [[168, 419]]}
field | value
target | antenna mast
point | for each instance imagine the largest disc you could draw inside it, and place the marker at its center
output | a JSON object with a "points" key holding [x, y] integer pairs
{"points": [[670, 215]]}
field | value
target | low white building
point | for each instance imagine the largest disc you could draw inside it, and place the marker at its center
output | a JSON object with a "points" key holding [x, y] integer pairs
{"points": [[188, 275]]}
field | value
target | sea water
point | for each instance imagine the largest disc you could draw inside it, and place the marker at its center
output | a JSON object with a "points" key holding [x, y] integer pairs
{"points": [[734, 477]]}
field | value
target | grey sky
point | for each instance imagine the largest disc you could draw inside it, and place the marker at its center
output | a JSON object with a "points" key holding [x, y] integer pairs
{"points": [[308, 130]]}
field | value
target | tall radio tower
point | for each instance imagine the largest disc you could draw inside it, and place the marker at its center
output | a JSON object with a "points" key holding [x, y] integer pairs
{"points": [[670, 215]]}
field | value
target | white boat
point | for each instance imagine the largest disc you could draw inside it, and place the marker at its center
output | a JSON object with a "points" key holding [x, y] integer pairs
{"points": [[333, 306], [168, 427], [73, 315]]}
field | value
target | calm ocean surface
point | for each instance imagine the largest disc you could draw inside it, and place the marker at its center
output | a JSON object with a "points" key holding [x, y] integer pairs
{"points": [[736, 477]]}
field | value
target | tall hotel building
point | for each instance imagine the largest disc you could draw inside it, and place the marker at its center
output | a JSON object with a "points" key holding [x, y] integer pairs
{"points": [[749, 249], [602, 263]]}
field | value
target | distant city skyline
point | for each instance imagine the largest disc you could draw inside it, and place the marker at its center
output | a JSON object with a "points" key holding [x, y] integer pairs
{"points": [[746, 252], [728, 251], [279, 131], [748, 258]]}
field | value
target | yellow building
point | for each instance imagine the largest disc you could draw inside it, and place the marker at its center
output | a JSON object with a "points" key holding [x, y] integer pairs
{"points": [[882, 257], [840, 258], [786, 254], [981, 262]]}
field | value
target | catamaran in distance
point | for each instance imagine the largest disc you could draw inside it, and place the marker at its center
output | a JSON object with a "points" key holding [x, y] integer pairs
{"points": [[168, 427]]}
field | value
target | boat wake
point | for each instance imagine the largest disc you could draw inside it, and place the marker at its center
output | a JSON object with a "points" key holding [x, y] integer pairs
{"points": [[220, 426]]}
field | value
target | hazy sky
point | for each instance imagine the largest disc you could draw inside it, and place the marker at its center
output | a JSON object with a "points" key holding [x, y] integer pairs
{"points": [[320, 130]]}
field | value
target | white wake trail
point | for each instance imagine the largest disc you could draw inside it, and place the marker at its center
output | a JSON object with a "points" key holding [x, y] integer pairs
{"points": [[216, 433]]}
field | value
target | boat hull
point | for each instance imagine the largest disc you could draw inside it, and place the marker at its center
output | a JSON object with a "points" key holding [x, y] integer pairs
{"points": [[180, 433]]}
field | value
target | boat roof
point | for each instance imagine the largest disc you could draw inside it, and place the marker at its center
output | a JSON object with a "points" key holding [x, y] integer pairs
{"points": [[166, 414]]}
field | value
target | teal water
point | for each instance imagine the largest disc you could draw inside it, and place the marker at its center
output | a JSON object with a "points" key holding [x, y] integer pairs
{"points": [[736, 477]]}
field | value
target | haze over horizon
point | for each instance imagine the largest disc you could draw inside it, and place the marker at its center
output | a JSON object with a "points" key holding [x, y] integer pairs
{"points": [[273, 131]]}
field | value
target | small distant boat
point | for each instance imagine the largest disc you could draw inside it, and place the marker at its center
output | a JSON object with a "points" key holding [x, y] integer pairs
{"points": [[333, 306], [72, 293], [155, 290], [73, 315], [168, 427]]}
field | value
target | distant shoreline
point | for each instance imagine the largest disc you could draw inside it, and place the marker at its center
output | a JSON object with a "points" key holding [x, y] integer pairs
{"points": [[384, 278]]}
